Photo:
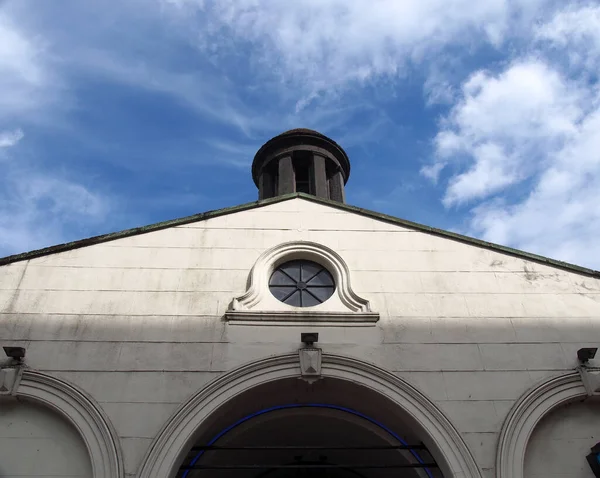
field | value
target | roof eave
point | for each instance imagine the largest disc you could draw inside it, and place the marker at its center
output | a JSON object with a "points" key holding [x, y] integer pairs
{"points": [[265, 202]]}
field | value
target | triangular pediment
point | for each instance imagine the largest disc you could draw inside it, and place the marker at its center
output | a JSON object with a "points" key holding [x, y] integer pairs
{"points": [[347, 217]]}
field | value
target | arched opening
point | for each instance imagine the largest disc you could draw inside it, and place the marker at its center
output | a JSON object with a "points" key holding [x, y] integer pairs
{"points": [[55, 427], [291, 429], [561, 440], [519, 430], [34, 439], [374, 406]]}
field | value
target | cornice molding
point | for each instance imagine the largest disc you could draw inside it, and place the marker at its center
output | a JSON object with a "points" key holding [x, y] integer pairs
{"points": [[322, 319]]}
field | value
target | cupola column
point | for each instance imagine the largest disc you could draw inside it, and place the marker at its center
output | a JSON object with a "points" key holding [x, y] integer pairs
{"points": [[285, 178], [266, 185], [319, 177], [336, 187]]}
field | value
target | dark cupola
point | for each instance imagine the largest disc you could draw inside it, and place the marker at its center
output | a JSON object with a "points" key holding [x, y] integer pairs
{"points": [[303, 161]]}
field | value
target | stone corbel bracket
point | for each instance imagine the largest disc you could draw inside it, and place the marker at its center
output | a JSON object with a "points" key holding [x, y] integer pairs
{"points": [[258, 305], [10, 378]]}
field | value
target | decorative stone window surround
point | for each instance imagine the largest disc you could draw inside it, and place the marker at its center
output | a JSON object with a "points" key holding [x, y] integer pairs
{"points": [[258, 305]]}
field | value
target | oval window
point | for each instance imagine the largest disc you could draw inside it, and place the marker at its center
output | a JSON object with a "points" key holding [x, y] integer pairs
{"points": [[302, 283]]}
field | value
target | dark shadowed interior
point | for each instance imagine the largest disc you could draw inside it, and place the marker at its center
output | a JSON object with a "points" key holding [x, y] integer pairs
{"points": [[292, 429]]}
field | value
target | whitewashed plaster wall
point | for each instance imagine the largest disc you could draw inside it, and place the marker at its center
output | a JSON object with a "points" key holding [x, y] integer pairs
{"points": [[138, 322], [35, 441], [562, 440]]}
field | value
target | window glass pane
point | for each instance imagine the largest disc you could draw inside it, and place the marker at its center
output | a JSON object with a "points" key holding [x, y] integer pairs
{"points": [[279, 278], [282, 292], [294, 299], [292, 269], [322, 293], [322, 278], [310, 269], [308, 300]]}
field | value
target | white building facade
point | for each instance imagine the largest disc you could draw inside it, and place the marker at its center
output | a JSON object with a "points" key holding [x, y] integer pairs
{"points": [[296, 336]]}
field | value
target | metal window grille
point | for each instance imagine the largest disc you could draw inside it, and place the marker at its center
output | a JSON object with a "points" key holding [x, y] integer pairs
{"points": [[302, 283]]}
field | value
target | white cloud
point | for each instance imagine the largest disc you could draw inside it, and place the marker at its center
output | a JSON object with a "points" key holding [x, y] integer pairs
{"points": [[521, 147], [432, 172], [503, 123], [17, 53], [10, 138], [576, 32], [438, 90], [323, 45], [26, 82]]}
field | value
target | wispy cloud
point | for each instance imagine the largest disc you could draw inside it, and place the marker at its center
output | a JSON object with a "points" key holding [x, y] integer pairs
{"points": [[208, 95], [38, 210], [27, 79], [575, 31], [323, 45], [10, 138], [37, 206]]}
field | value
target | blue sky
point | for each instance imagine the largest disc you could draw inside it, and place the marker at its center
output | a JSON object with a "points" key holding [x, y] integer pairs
{"points": [[477, 117]]}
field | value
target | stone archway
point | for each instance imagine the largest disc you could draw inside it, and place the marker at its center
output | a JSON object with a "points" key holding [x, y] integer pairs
{"points": [[204, 409], [526, 414], [82, 412]]}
